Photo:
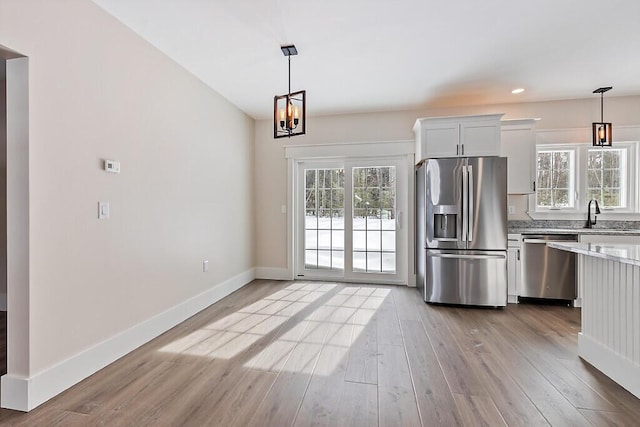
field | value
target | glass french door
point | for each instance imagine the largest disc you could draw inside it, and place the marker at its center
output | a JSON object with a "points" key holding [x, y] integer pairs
{"points": [[348, 221]]}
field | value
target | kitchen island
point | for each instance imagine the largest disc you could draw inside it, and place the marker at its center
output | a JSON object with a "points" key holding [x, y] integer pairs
{"points": [[610, 337]]}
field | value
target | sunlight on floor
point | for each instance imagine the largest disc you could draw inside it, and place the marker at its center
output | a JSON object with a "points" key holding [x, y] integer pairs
{"points": [[331, 329]]}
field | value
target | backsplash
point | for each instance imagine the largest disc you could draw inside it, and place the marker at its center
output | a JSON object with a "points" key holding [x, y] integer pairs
{"points": [[552, 223]]}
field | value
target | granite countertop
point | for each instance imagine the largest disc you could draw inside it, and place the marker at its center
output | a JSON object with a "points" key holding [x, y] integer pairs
{"points": [[611, 231], [624, 253]]}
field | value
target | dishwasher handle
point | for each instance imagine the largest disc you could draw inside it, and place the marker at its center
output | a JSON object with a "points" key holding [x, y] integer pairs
{"points": [[542, 241]]}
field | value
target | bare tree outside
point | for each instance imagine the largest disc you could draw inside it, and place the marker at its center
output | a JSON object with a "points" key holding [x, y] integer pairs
{"points": [[555, 179], [605, 169]]}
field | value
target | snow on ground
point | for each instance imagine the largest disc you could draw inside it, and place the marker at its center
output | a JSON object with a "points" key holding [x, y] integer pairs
{"points": [[374, 243]]}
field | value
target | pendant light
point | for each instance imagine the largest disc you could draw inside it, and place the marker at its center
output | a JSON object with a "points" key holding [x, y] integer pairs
{"points": [[602, 131], [289, 111]]}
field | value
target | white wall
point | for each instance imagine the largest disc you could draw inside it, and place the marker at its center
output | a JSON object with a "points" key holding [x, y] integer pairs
{"points": [[271, 166], [185, 193]]}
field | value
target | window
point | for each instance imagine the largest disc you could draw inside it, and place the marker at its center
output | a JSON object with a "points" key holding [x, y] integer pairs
{"points": [[555, 179], [606, 176], [569, 175]]}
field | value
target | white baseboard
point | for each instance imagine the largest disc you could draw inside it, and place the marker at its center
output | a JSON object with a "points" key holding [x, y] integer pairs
{"points": [[3, 302], [618, 368], [24, 394], [272, 273]]}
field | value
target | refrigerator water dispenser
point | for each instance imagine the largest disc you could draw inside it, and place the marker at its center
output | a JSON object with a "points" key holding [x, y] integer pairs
{"points": [[445, 220]]}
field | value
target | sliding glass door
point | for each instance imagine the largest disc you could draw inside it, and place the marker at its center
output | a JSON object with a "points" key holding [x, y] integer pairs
{"points": [[348, 220]]}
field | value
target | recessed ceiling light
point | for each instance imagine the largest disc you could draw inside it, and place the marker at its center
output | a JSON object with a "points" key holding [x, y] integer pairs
{"points": [[517, 91]]}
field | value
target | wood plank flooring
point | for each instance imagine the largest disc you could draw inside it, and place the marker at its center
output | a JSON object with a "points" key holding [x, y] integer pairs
{"points": [[331, 354]]}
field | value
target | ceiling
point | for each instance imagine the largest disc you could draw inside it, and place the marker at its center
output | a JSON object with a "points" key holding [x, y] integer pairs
{"points": [[381, 55]]}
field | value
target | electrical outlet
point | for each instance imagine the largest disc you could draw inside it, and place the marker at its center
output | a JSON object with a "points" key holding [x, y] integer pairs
{"points": [[512, 210], [205, 265]]}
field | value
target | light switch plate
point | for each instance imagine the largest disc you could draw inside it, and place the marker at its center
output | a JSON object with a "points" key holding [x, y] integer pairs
{"points": [[512, 209], [103, 210], [205, 265]]}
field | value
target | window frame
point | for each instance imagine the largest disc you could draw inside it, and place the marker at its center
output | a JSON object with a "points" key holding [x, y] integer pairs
{"points": [[581, 178]]}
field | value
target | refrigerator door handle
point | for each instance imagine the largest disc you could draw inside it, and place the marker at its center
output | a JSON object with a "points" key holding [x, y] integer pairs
{"points": [[464, 203], [465, 256], [470, 216]]}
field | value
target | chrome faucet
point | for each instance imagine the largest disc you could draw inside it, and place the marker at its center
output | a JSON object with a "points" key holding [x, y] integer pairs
{"points": [[590, 223]]}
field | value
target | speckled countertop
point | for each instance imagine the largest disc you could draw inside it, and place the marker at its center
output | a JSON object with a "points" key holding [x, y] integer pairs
{"points": [[616, 228], [605, 231], [624, 253]]}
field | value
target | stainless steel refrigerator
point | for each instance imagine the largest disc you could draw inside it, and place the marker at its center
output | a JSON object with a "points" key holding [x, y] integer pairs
{"points": [[461, 228]]}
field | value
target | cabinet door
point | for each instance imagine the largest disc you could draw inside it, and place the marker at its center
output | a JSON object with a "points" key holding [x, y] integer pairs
{"points": [[440, 140], [480, 139], [513, 277], [518, 145]]}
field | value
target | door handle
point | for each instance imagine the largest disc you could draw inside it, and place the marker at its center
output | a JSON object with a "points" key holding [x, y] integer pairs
{"points": [[463, 256], [399, 220], [465, 201], [470, 216]]}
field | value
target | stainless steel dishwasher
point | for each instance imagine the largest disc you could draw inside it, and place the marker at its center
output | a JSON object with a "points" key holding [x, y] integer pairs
{"points": [[547, 272]]}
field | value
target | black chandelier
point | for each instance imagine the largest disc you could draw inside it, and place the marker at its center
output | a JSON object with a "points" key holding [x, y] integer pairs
{"points": [[601, 130], [289, 111]]}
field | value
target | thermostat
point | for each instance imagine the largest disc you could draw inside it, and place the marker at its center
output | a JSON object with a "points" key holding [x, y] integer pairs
{"points": [[112, 166]]}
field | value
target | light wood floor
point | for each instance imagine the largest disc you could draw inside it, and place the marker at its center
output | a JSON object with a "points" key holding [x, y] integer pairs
{"points": [[308, 353]]}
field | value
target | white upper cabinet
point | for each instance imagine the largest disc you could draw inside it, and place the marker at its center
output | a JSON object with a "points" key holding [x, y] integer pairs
{"points": [[459, 136], [518, 144]]}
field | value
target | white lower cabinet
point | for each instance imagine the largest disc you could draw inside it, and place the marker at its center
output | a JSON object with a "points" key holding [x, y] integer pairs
{"points": [[514, 270]]}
